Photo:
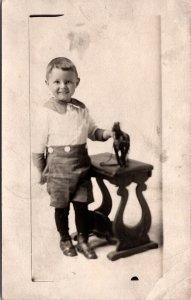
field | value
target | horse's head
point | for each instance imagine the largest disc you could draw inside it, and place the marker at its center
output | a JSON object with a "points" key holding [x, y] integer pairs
{"points": [[116, 127]]}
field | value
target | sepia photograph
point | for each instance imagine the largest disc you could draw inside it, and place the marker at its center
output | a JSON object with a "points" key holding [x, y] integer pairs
{"points": [[96, 151]]}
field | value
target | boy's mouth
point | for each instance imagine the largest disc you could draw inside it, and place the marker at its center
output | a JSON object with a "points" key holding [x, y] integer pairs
{"points": [[63, 92]]}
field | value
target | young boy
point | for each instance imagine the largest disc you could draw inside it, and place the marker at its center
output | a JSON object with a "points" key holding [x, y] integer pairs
{"points": [[63, 126]]}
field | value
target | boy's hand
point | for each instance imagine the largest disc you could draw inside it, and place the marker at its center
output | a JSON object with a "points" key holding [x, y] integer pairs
{"points": [[107, 134], [40, 179]]}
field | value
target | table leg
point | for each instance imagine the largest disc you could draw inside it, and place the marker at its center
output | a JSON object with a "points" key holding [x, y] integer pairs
{"points": [[131, 240], [106, 205]]}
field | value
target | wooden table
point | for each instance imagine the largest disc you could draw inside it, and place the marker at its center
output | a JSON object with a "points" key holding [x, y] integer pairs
{"points": [[130, 239]]}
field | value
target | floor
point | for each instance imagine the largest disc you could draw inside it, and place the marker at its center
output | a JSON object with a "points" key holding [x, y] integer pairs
{"points": [[101, 278]]}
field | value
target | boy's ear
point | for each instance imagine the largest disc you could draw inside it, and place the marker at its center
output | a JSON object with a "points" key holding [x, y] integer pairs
{"points": [[78, 81]]}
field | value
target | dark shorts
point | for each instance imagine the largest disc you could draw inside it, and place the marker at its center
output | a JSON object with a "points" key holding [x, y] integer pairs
{"points": [[68, 175]]}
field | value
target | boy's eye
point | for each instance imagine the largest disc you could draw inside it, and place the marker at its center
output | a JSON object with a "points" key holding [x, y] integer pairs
{"points": [[57, 81]]}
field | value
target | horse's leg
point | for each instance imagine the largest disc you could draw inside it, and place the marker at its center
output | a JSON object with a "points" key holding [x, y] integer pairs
{"points": [[123, 157], [125, 151], [117, 155]]}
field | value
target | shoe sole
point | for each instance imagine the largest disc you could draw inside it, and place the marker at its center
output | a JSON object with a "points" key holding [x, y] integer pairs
{"points": [[82, 252], [69, 255]]}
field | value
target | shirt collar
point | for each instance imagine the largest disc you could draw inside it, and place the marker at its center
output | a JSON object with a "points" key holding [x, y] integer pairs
{"points": [[71, 102]]}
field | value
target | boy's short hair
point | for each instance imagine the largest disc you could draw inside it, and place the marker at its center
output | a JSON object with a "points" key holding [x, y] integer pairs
{"points": [[62, 63]]}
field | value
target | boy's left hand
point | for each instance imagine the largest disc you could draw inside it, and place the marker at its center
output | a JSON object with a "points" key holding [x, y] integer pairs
{"points": [[107, 134]]}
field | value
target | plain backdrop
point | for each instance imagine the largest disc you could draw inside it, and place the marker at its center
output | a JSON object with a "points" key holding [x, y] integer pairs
{"points": [[119, 82]]}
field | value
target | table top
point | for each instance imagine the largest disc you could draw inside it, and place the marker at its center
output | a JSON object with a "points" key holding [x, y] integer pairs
{"points": [[106, 164]]}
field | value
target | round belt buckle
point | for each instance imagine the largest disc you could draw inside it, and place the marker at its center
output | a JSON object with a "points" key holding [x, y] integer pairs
{"points": [[67, 149], [50, 150]]}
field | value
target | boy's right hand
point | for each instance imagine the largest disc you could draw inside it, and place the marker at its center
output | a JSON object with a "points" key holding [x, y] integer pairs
{"points": [[41, 178], [38, 177], [38, 188]]}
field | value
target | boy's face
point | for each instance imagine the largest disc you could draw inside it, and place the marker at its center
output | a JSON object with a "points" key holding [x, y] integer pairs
{"points": [[62, 83]]}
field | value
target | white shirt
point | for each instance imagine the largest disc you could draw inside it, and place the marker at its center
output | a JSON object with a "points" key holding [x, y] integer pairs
{"points": [[59, 124]]}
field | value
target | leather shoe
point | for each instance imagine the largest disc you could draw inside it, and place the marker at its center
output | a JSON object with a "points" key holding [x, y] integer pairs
{"points": [[84, 248], [68, 248]]}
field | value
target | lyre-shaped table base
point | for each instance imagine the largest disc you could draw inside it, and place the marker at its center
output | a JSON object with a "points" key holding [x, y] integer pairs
{"points": [[130, 240]]}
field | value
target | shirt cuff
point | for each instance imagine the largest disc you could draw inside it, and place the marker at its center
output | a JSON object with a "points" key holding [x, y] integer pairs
{"points": [[39, 161], [99, 135]]}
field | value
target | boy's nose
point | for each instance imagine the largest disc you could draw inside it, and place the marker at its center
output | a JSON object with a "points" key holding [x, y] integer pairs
{"points": [[62, 84]]}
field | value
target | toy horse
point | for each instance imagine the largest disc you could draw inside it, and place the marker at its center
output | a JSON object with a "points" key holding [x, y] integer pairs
{"points": [[121, 144]]}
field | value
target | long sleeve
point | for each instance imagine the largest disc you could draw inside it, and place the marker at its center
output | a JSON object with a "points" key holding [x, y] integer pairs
{"points": [[92, 129], [39, 131], [99, 135], [39, 161], [39, 137], [95, 133]]}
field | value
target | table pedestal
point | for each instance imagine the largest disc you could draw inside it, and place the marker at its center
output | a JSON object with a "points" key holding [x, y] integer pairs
{"points": [[130, 239]]}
